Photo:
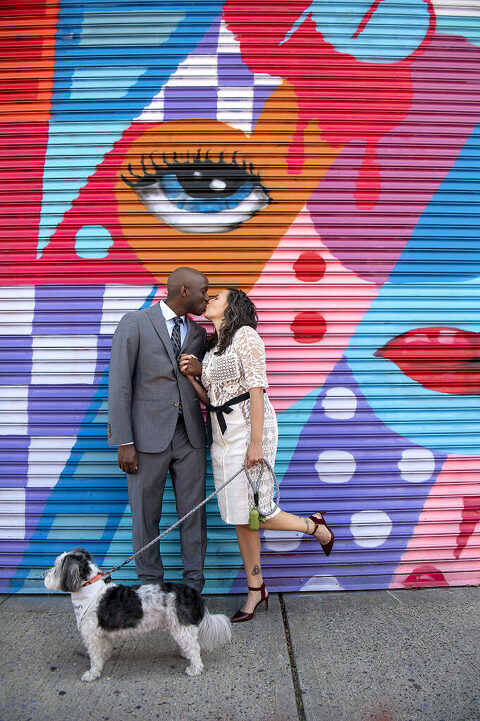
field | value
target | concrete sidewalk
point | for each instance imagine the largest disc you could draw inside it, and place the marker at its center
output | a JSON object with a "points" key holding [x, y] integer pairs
{"points": [[364, 656]]}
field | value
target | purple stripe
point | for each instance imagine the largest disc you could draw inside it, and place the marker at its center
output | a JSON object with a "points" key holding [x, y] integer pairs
{"points": [[208, 45], [190, 102], [232, 72], [14, 454], [67, 310], [58, 410], [16, 359]]}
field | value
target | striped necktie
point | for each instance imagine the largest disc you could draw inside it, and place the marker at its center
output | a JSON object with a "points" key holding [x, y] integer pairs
{"points": [[176, 337]]}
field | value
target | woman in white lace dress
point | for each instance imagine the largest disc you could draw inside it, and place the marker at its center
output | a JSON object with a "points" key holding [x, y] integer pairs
{"points": [[244, 430]]}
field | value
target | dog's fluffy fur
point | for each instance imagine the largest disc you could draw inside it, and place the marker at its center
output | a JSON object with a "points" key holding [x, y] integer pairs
{"points": [[115, 611]]}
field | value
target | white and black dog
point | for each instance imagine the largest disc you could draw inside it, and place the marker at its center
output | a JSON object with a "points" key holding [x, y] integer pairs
{"points": [[106, 612]]}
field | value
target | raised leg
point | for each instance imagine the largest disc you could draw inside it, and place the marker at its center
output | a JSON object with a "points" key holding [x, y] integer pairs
{"points": [[284, 521]]}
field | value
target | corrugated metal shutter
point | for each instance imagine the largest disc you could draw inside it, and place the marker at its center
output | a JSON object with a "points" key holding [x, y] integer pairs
{"points": [[350, 130]]}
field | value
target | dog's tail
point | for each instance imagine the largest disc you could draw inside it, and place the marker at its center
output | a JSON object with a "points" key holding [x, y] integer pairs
{"points": [[214, 631]]}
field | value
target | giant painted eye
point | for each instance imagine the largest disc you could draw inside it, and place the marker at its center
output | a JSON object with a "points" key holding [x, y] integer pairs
{"points": [[199, 195]]}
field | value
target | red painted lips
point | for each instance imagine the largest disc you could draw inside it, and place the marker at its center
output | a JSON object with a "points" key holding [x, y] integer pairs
{"points": [[441, 359]]}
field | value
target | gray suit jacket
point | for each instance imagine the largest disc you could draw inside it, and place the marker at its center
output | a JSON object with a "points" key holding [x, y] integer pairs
{"points": [[145, 385]]}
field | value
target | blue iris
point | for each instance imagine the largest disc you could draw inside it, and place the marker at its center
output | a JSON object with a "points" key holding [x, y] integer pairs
{"points": [[209, 204]]}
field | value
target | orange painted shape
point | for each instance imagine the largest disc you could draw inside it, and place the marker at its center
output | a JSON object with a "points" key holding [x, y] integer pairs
{"points": [[236, 257]]}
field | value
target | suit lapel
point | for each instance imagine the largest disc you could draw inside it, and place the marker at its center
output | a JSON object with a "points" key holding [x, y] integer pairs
{"points": [[156, 316]]}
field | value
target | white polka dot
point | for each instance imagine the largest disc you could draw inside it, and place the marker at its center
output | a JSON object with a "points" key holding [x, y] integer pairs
{"points": [[322, 583], [416, 465], [370, 528], [335, 466], [282, 540], [339, 403]]}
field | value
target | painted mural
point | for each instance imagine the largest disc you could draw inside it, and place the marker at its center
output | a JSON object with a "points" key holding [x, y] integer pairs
{"points": [[323, 156]]}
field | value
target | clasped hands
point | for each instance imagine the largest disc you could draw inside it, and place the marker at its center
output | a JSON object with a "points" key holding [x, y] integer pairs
{"points": [[190, 365]]}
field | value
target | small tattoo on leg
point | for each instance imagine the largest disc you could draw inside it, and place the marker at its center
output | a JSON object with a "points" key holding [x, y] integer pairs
{"points": [[256, 571], [307, 525]]}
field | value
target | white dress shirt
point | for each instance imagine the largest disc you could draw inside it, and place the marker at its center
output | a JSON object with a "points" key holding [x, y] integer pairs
{"points": [[169, 315]]}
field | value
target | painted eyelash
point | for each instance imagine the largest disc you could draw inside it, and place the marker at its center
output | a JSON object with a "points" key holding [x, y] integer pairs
{"points": [[198, 158]]}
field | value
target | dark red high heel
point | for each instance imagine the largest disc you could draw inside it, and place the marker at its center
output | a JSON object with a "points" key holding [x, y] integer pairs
{"points": [[320, 521], [241, 616]]}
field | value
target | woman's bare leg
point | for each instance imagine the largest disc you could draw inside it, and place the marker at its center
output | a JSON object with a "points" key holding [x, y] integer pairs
{"points": [[289, 522], [249, 544]]}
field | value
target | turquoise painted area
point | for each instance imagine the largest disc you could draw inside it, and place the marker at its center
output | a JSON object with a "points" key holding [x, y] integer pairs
{"points": [[290, 426], [444, 246], [440, 421], [468, 27], [394, 31], [103, 28], [102, 82], [93, 241]]}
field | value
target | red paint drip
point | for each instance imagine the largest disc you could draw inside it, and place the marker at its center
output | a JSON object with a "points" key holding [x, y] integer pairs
{"points": [[369, 183], [350, 100], [470, 518]]}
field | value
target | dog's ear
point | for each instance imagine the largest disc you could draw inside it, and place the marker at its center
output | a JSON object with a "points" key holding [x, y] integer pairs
{"points": [[81, 552], [70, 579]]}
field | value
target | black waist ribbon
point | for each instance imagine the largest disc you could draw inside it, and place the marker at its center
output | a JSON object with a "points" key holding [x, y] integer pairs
{"points": [[219, 411]]}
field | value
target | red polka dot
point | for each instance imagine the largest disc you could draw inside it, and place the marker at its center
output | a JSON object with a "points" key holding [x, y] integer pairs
{"points": [[309, 327], [309, 267]]}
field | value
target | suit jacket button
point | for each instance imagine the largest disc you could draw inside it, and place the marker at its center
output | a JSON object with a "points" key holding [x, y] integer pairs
{"points": [[176, 404]]}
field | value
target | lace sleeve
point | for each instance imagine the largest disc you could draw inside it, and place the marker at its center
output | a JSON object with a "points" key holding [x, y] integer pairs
{"points": [[251, 351]]}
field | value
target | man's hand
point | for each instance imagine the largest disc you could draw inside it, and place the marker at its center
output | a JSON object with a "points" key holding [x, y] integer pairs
{"points": [[190, 365], [127, 458]]}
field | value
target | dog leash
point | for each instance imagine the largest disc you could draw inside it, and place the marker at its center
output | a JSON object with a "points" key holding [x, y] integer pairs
{"points": [[255, 488]]}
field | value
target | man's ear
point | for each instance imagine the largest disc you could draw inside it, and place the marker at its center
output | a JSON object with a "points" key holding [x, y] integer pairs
{"points": [[184, 291]]}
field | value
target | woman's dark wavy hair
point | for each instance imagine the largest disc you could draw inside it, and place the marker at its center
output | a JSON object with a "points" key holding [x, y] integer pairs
{"points": [[239, 311]]}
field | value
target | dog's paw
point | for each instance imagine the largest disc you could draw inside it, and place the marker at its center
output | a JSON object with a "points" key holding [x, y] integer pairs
{"points": [[194, 670], [90, 675]]}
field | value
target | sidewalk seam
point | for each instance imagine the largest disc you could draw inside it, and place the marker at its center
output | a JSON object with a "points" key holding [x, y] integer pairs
{"points": [[293, 665]]}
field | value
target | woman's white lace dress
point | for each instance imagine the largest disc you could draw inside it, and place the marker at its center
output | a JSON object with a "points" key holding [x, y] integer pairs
{"points": [[240, 368]]}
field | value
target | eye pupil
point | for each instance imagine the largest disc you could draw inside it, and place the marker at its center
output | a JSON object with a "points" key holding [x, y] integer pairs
{"points": [[209, 183]]}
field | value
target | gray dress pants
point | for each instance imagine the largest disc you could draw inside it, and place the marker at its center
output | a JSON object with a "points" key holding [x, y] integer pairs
{"points": [[187, 467]]}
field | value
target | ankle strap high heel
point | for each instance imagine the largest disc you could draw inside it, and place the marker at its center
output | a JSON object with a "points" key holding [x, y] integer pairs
{"points": [[241, 616], [318, 520]]}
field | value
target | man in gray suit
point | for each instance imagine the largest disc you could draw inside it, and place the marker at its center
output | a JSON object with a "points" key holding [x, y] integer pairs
{"points": [[156, 421]]}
